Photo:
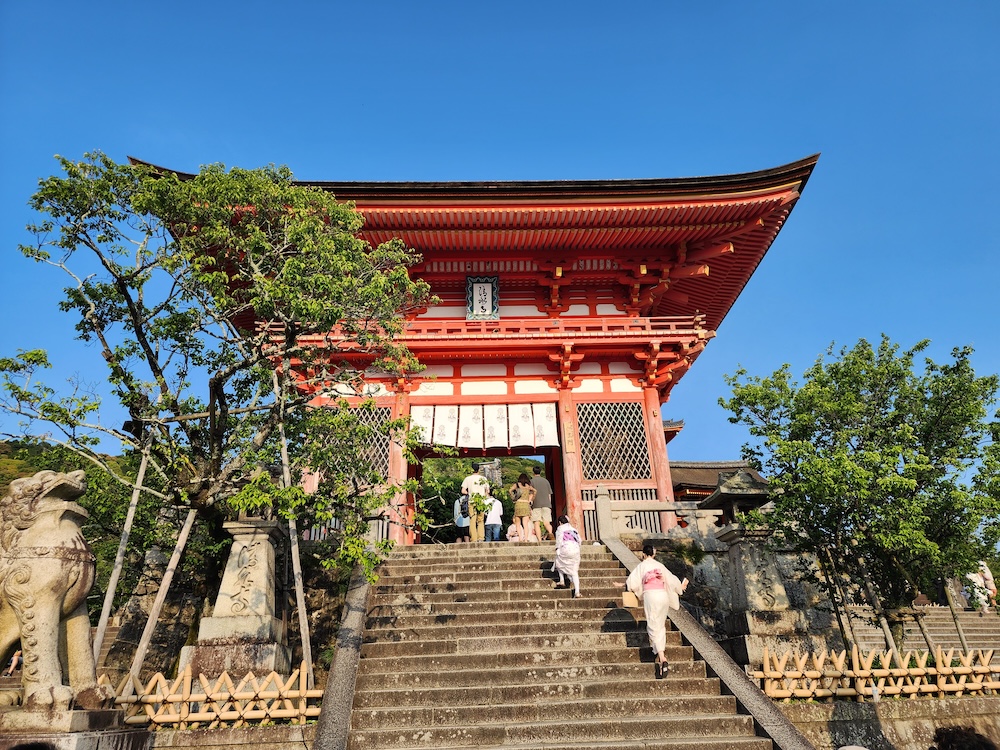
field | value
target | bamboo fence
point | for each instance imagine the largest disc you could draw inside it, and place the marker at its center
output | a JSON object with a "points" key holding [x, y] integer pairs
{"points": [[858, 676], [202, 703]]}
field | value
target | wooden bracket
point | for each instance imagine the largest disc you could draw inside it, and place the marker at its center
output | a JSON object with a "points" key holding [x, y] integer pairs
{"points": [[566, 359]]}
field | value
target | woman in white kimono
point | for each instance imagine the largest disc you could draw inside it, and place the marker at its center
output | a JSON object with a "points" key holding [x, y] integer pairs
{"points": [[657, 588], [567, 555]]}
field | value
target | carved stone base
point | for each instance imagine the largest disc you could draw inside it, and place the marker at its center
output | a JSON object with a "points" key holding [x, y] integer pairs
{"points": [[778, 631], [749, 649], [237, 657], [69, 730]]}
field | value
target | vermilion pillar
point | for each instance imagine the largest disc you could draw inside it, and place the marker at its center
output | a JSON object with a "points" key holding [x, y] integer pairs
{"points": [[572, 466], [400, 514], [658, 452]]}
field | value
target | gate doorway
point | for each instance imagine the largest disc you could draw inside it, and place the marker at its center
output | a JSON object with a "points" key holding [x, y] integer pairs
{"points": [[440, 479]]}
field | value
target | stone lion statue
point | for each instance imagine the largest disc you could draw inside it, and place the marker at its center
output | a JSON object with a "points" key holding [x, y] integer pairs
{"points": [[46, 571]]}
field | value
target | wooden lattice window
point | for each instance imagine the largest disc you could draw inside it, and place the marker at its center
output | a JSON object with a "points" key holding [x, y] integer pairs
{"points": [[376, 452], [613, 441]]}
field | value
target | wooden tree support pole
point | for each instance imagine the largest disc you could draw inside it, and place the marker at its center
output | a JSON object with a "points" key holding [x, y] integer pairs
{"points": [[300, 603], [293, 541], [116, 572], [919, 617], [161, 595], [838, 599], [954, 615], [877, 605]]}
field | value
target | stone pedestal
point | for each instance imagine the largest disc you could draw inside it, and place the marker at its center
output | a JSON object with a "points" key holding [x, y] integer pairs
{"points": [[243, 635], [761, 617], [69, 730]]}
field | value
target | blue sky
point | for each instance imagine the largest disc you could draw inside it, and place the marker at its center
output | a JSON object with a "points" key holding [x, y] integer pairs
{"points": [[894, 233]]}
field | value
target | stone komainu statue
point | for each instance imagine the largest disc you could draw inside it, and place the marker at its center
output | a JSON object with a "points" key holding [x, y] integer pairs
{"points": [[46, 571]]}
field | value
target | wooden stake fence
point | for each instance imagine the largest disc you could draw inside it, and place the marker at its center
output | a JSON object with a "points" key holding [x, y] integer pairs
{"points": [[829, 676], [202, 703]]}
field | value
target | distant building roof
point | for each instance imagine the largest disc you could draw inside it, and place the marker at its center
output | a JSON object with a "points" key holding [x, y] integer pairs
{"points": [[705, 474], [671, 428]]}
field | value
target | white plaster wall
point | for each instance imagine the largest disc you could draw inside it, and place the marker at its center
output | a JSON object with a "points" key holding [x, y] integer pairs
{"points": [[368, 390], [440, 371], [441, 311], [531, 369], [484, 371], [588, 368], [606, 310], [520, 311], [484, 388], [429, 388], [533, 386], [624, 385], [590, 385], [578, 310], [620, 368]]}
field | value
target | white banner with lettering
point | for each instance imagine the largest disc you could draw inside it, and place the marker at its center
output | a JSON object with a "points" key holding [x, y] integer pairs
{"points": [[488, 426]]}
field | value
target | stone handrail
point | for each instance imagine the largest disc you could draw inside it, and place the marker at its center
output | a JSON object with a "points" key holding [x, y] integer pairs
{"points": [[768, 717], [334, 722]]}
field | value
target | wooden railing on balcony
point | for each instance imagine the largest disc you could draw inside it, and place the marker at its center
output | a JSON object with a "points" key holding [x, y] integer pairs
{"points": [[611, 327]]}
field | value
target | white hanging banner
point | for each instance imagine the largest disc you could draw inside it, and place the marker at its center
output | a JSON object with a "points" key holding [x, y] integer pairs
{"points": [[422, 422], [445, 425], [495, 423], [545, 424], [522, 425], [470, 426]]}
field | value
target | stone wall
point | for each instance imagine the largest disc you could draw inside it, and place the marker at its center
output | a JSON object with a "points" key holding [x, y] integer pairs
{"points": [[298, 737], [777, 608], [892, 724]]}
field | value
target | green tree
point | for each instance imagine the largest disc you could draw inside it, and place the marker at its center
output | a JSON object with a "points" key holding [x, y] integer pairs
{"points": [[892, 470], [222, 306]]}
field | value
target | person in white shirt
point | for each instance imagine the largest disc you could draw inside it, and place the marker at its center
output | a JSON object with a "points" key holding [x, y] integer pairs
{"points": [[476, 485], [494, 521], [658, 589]]}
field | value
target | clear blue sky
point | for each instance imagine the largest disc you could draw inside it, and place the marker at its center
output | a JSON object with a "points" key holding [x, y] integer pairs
{"points": [[895, 231]]}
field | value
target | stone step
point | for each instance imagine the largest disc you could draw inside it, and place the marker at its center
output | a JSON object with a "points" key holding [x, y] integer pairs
{"points": [[472, 646], [612, 619], [382, 662], [572, 708], [487, 556], [620, 673], [510, 629], [396, 576], [439, 551], [647, 743], [494, 732], [607, 596], [510, 687], [443, 606], [474, 584], [460, 643]]}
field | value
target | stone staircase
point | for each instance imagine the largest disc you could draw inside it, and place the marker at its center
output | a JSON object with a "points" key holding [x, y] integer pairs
{"points": [[982, 631], [471, 646]]}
